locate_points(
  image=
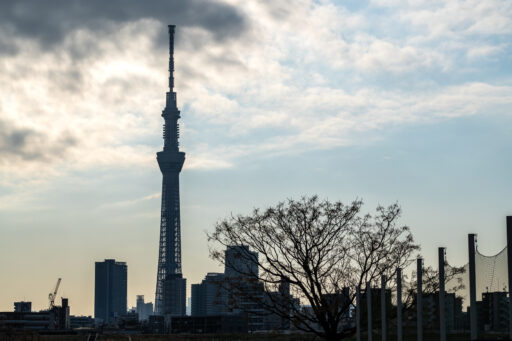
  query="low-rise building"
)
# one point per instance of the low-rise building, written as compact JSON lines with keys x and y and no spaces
{"x":22,"y":307}
{"x":212,"y":324}
{"x":81,"y":322}
{"x":56,"y":318}
{"x":493,"y":311}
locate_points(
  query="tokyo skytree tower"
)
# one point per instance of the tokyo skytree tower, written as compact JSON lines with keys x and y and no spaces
{"x":170,"y":284}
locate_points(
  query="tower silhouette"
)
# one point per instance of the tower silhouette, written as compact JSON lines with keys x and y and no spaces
{"x":170,"y":284}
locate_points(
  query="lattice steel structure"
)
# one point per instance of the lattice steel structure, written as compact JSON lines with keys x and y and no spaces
{"x":169,"y":297}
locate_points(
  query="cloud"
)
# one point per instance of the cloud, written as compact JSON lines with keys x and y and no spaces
{"x":326,"y":118}
{"x":128,"y":203}
{"x":485,"y":50}
{"x":452,"y":19}
{"x":51,"y":21}
{"x":253,"y":78}
{"x":25,"y":144}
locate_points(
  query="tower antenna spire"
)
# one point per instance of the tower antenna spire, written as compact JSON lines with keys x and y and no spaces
{"x":171,"y":57}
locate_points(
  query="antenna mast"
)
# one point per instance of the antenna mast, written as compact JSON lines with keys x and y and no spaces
{"x":171,"y":57}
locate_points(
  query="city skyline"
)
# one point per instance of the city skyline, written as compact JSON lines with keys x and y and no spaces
{"x":380,"y":101}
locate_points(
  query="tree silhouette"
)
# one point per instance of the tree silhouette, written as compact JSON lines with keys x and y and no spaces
{"x":322,"y":250}
{"x":430,"y":284}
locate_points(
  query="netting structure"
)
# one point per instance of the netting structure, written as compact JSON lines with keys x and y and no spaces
{"x":491,"y":276}
{"x":421,"y":314}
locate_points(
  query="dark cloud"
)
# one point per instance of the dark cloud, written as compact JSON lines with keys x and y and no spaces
{"x":49,"y":21}
{"x":8,"y":47}
{"x":29,"y":145}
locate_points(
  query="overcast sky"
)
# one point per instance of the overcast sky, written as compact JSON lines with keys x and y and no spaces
{"x":384,"y":100}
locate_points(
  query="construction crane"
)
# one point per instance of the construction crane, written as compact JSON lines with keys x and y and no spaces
{"x":53,"y":295}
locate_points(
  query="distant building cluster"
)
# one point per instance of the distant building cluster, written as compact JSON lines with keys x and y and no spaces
{"x":215,"y":307}
{"x":216,"y":295}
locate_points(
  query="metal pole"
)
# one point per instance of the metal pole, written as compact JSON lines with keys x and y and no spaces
{"x":419,"y":299}
{"x":383,"y":306}
{"x":399,"y":304}
{"x":509,"y":261}
{"x":442,"y":311}
{"x":358,"y":313}
{"x":472,"y":287}
{"x":369,"y":305}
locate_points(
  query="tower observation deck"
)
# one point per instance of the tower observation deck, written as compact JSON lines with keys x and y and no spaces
{"x":170,"y":284}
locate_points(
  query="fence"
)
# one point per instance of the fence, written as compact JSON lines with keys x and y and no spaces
{"x":473,"y":301}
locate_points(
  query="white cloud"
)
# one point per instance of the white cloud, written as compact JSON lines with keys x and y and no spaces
{"x":302,"y":78}
{"x":128,"y":203}
{"x":453,"y":18}
{"x":483,"y":51}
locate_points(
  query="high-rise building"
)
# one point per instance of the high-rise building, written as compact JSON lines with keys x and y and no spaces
{"x":110,"y":289}
{"x":197,"y":300}
{"x":240,"y":261}
{"x":244,"y":289}
{"x":143,"y":309}
{"x":210,"y":297}
{"x":170,"y":285}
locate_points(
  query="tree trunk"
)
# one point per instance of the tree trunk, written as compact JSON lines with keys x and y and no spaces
{"x":333,"y":337}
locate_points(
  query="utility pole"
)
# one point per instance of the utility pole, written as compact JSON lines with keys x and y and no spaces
{"x":509,"y":260}
{"x":442,"y":311}
{"x":358,"y":313}
{"x":399,"y":326}
{"x":472,"y":287}
{"x":383,"y":307}
{"x":419,"y":299}
{"x":369,"y":305}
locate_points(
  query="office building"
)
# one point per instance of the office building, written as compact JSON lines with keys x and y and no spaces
{"x":210,"y":297}
{"x":452,"y":307}
{"x":144,"y":310}
{"x":110,"y":289}
{"x":240,"y":261}
{"x":244,"y":290}
{"x":494,"y":311}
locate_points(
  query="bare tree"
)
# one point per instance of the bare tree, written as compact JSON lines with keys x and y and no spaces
{"x":430,"y":284}
{"x":323,"y":250}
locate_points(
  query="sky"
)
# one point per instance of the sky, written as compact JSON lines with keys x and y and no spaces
{"x":406,"y":101}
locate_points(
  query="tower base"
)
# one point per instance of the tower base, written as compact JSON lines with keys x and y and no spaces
{"x":175,"y":290}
